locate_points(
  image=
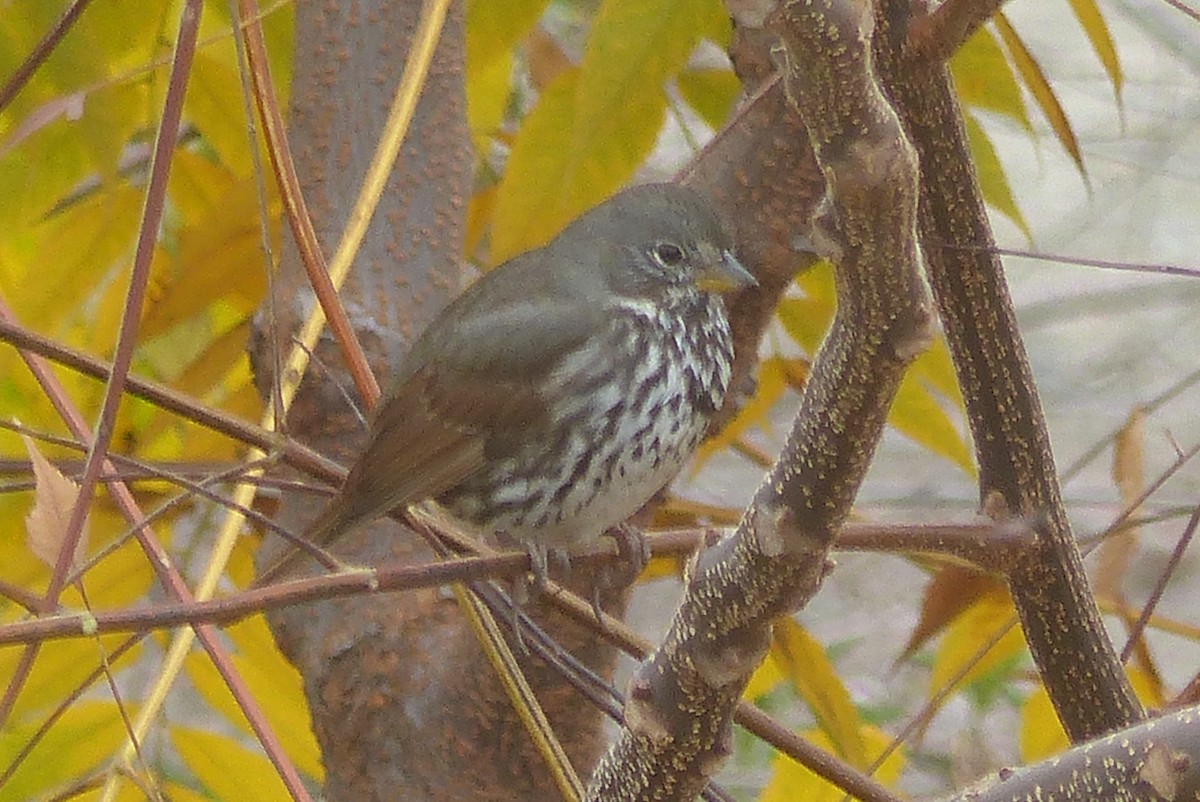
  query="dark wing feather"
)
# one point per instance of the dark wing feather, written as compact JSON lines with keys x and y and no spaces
{"x":471,"y":380}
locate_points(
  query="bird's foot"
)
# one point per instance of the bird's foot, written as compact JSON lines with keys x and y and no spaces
{"x":633,"y":553}
{"x":540,"y":559}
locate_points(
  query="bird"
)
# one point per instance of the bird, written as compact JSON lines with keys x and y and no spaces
{"x":564,"y":388}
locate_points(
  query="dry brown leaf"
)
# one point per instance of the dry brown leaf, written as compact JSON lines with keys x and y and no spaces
{"x":952,"y":590}
{"x":54,"y":498}
{"x":1129,"y":475}
{"x":546,"y":58}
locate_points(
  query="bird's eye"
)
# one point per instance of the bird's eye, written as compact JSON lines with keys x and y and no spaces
{"x":668,"y":254}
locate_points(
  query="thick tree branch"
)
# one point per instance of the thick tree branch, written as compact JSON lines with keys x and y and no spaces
{"x":679,"y":713}
{"x":1149,"y":762}
{"x":1016,"y":467}
{"x":938,"y":35}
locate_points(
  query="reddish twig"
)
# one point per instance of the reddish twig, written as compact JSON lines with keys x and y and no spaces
{"x":311,"y":256}
{"x":13,"y":86}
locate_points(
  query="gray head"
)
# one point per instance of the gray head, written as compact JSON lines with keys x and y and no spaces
{"x":670,"y":236}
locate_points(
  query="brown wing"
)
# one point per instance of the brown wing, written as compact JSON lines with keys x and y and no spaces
{"x":470,"y":383}
{"x":429,"y":435}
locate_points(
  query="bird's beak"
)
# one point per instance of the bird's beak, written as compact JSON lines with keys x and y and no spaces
{"x":724,"y":274}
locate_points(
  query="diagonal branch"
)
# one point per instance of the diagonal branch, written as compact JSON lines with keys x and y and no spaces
{"x":678,"y":719}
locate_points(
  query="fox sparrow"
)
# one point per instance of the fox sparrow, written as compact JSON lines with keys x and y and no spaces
{"x":566,"y":387}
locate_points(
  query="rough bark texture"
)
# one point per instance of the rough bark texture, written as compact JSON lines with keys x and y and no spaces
{"x":1154,"y":761}
{"x":403,"y":702}
{"x":678,"y":716}
{"x":1017,"y":474}
{"x":762,"y":173}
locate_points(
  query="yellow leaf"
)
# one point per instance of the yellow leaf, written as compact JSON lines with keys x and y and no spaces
{"x":493,"y":30}
{"x":915,"y":413}
{"x":953,"y":589}
{"x":970,"y":631}
{"x":204,"y":373}
{"x":1035,"y":80}
{"x":241,"y":568}
{"x":992,"y":179}
{"x":199,"y":184}
{"x":1129,"y":474}
{"x":1041,"y":733}
{"x":918,"y":416}
{"x":77,"y":254}
{"x":489,"y":86}
{"x":48,"y":521}
{"x":220,"y":259}
{"x":1096,"y":30}
{"x":84,"y":737}
{"x":765,"y":679}
{"x":807,"y":318}
{"x":545,"y":58}
{"x":593,"y":126}
{"x":60,"y":668}
{"x":685,"y":512}
{"x":122,"y":577}
{"x":57,"y":137}
{"x":214,"y":105}
{"x":802,"y":660}
{"x":791,"y":782}
{"x":935,"y":367}
{"x":1147,"y":687}
{"x":711,"y":93}
{"x":272,"y":681}
{"x":633,"y":47}
{"x":553,"y":174}
{"x":229,"y":771}
{"x":175,"y":792}
{"x":278,"y":28}
{"x":479,"y":212}
{"x":984,"y":78}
